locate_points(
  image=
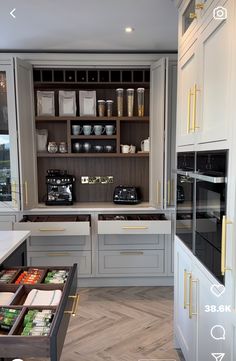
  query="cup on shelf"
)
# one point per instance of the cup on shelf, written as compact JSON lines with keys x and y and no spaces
{"x":109,"y":129}
{"x":98,"y":129}
{"x":77,"y":147}
{"x":132,"y":149}
{"x":120,"y":98}
{"x":109,"y":107}
{"x":101,"y":108}
{"x":87,"y":129}
{"x":130,"y":102}
{"x":108,"y":148}
{"x":98,"y":148}
{"x":76,"y":129}
{"x":140,"y":93}
{"x":87,"y":147}
{"x":62,"y":147}
{"x":125,"y":148}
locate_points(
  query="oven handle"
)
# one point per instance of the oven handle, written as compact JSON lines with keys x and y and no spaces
{"x":206,"y":178}
{"x":182,"y":172}
{"x":225,"y":221}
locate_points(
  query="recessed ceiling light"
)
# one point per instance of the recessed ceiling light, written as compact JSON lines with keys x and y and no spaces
{"x":128,"y":29}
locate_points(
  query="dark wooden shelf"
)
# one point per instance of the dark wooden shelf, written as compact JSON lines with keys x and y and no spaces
{"x":103,"y":137}
{"x":90,"y":118}
{"x":92,"y":155}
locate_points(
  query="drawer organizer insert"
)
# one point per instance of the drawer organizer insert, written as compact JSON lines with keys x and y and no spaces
{"x":57,"y":218}
{"x":132,"y":217}
{"x":37,"y":331}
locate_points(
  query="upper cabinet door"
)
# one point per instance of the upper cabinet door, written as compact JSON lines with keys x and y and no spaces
{"x":157,"y":121}
{"x":9,"y":181}
{"x":26,"y":129}
{"x":187,"y":107}
{"x":214,"y":87}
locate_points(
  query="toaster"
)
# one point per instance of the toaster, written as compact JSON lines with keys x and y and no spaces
{"x":126,"y":195}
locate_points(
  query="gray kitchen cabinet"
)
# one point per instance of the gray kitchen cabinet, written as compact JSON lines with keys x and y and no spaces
{"x":130,"y":241}
{"x":7,"y":222}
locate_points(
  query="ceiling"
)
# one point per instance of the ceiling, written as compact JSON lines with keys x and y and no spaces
{"x":88,"y":25}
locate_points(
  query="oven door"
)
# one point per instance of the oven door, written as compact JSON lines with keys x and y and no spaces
{"x":210,"y":208}
{"x":184,"y":208}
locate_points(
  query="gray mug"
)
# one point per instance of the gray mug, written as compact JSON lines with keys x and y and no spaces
{"x":87,"y":129}
{"x":109,"y":129}
{"x":76,"y":129}
{"x":98,"y":129}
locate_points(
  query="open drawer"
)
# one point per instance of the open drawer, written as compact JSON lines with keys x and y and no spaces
{"x":133,"y":224}
{"x":15,"y":345}
{"x":55,"y":225}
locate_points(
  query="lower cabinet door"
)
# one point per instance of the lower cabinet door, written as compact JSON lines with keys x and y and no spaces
{"x":185,"y":321}
{"x":131,"y":262}
{"x":65,"y":258}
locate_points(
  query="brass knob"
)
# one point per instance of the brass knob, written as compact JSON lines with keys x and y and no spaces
{"x":199,"y":6}
{"x":192,"y":16}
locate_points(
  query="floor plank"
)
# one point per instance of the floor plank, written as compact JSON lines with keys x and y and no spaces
{"x":122,"y":324}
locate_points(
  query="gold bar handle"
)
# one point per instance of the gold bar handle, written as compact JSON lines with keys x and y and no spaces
{"x":186,"y":274}
{"x":192,"y":16}
{"x":199,"y":6}
{"x":195,"y":90}
{"x":59,"y":254}
{"x":26,"y":193}
{"x":223,"y":245}
{"x":191,"y":281}
{"x":189,"y":112}
{"x":52,"y":229}
{"x":75,"y":305}
{"x":168,"y":193}
{"x":134,"y":227}
{"x":13,"y":192}
{"x":131,"y":253}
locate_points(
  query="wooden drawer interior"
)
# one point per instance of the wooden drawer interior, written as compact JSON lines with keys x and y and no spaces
{"x":56,"y":218}
{"x":132,"y":217}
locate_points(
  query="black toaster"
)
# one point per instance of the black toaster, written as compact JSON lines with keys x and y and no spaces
{"x":126,"y":195}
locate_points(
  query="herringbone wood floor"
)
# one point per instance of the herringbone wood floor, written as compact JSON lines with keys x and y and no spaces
{"x":122,"y":324}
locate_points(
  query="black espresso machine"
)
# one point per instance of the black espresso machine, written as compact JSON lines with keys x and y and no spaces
{"x":60,"y":187}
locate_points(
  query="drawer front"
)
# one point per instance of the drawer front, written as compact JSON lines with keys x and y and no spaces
{"x":134,"y":227}
{"x":55,"y":228}
{"x":6,"y":223}
{"x":65,"y":258}
{"x":131,"y":262}
{"x":59,"y":243}
{"x":130,"y":241}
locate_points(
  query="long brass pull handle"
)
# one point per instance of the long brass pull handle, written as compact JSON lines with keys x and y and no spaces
{"x":168,"y":192}
{"x":223,"y":245}
{"x":134,"y":227}
{"x":191,"y":281}
{"x":26,"y":193}
{"x":195,"y":90}
{"x":75,"y":305}
{"x":185,"y":288}
{"x":189,"y":112}
{"x":132,"y":253}
{"x":52,"y":229}
{"x":13,"y":192}
{"x":58,"y":254}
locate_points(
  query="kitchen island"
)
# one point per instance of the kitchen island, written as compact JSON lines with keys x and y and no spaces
{"x":10,"y":243}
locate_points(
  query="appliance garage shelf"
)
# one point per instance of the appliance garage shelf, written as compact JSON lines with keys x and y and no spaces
{"x":92,"y":155}
{"x":90,"y":118}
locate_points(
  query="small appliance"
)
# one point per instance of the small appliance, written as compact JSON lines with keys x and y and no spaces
{"x":60,"y":187}
{"x":126,"y":195}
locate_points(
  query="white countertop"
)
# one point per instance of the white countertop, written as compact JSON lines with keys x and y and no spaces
{"x":10,"y":241}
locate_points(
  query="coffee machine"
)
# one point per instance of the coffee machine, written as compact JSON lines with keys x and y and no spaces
{"x":60,"y":187}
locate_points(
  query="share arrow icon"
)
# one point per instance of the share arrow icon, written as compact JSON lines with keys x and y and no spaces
{"x":218,"y":356}
{"x":12,"y":13}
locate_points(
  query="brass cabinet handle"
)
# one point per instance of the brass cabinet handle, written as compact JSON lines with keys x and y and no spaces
{"x":26,"y":192}
{"x":13,"y":192}
{"x":186,"y":274}
{"x":191,"y":281}
{"x":132,"y":253}
{"x":189,"y":111}
{"x":192,"y":16}
{"x":168,"y":193}
{"x":195,"y":90}
{"x":135,"y":227}
{"x":223,"y":245}
{"x":199,"y":6}
{"x":58,"y":254}
{"x":52,"y":229}
{"x":75,"y":305}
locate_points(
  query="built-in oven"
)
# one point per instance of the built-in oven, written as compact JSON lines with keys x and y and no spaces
{"x":185,"y":198}
{"x":210,"y":175}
